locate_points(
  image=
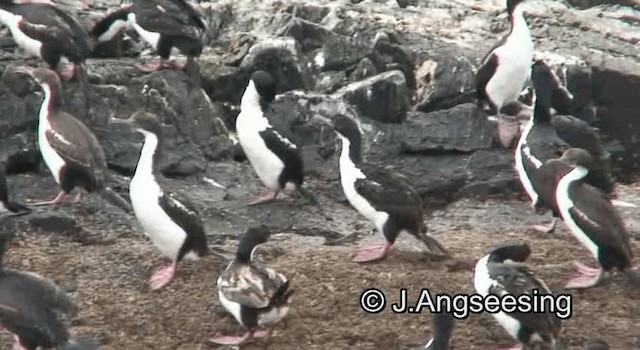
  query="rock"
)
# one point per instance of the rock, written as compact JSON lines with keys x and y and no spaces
{"x":444,"y":83}
{"x":384,"y":97}
{"x":363,"y":70}
{"x":461,"y":129}
{"x":340,"y":52}
{"x":584,"y":4}
{"x":53,"y":222}
{"x":328,"y":82}
{"x":308,"y":34}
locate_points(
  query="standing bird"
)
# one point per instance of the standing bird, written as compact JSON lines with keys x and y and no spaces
{"x":255,"y":295}
{"x":49,"y":33}
{"x":540,"y":142}
{"x":72,"y":153}
{"x":505,"y":68}
{"x":383,"y":196}
{"x":31,"y":308}
{"x":442,"y":328}
{"x":495,"y":275}
{"x":274,"y":157}
{"x":591,"y":218}
{"x":168,"y":218}
{"x":6,"y":203}
{"x":163,"y":24}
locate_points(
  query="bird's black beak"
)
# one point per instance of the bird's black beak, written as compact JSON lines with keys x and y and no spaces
{"x":120,"y":121}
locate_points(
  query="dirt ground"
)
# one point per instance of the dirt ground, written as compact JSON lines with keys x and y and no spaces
{"x":105,"y":272}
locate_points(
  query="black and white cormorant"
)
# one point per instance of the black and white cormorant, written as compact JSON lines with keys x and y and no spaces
{"x":163,"y":24}
{"x":257,"y":296}
{"x":6,"y":203}
{"x":170,"y":220}
{"x":442,"y":329}
{"x":540,"y":142}
{"x":382,"y":195}
{"x":31,"y":308}
{"x":505,"y":68}
{"x":47,"y":32}
{"x":591,"y":218}
{"x":72,"y":153}
{"x":502,"y":272}
{"x":270,"y":149}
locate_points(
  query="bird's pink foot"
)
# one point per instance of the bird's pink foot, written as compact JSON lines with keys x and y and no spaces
{"x":58,"y":199}
{"x":17,"y":345}
{"x":163,"y":276}
{"x":153,"y":67}
{"x":68,"y":72}
{"x":373,"y":253}
{"x":586,"y":277}
{"x":79,"y":197}
{"x":237,"y":340}
{"x":545,"y":228}
{"x":268,"y":197}
{"x":515,"y":347}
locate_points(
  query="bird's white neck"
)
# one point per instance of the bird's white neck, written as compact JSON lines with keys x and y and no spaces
{"x":145,"y":163}
{"x":520,"y":30}
{"x":48,"y":103}
{"x":578,"y":173}
{"x":250,"y":99}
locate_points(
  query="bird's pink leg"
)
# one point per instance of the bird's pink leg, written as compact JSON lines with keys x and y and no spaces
{"x":17,"y":345}
{"x":79,"y":196}
{"x":163,"y":276}
{"x":586,"y":277}
{"x":367,"y":254}
{"x":237,"y":340}
{"x":59,"y":199}
{"x":267,"y":197}
{"x":507,"y":132}
{"x":152,"y":67}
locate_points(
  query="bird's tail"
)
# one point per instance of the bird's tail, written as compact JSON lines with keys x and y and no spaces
{"x":308,"y":195}
{"x":432,"y":244}
{"x":18,"y":209}
{"x":282,"y":295}
{"x":115,"y":199}
{"x":81,"y":344}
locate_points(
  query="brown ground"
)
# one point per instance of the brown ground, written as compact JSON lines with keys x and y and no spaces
{"x":107,"y":279}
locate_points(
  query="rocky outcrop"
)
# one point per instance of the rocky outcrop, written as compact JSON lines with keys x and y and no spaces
{"x":405,"y":69}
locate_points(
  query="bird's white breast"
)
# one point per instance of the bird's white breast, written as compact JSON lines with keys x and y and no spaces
{"x":231,"y":306}
{"x":150,"y":37}
{"x":145,"y":192}
{"x":267,"y":165}
{"x":31,"y":46}
{"x":514,"y":63}
{"x":565,"y":203}
{"x":113,"y":30}
{"x":273,"y":316}
{"x":51,"y":158}
{"x":349,"y":173}
{"x":519,"y":164}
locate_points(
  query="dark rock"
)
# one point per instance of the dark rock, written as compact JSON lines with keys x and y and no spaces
{"x":384,"y":97}
{"x":490,"y":172}
{"x":460,"y":129}
{"x":328,"y":82}
{"x":388,"y":55}
{"x":444,"y":83}
{"x":363,"y":70}
{"x":308,"y":34}
{"x":340,"y":52}
{"x":53,"y":222}
{"x":309,"y":12}
{"x":616,"y":94}
{"x":585,"y":4}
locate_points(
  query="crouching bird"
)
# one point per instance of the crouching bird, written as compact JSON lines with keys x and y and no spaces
{"x":31,"y":308}
{"x":257,"y":296}
{"x":501,"y":273}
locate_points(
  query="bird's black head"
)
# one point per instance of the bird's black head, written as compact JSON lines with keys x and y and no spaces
{"x":442,"y":328}
{"x":346,"y":126}
{"x":142,"y":122}
{"x":514,"y":252}
{"x":512,"y":4}
{"x":46,"y":78}
{"x":250,"y":240}
{"x":577,"y":157}
{"x":543,"y":84}
{"x":264,"y":85}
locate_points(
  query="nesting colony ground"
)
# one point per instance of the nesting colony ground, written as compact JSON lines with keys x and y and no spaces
{"x":106,"y":263}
